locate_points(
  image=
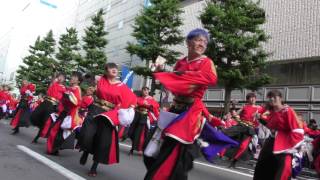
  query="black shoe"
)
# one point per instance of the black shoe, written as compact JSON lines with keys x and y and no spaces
{"x":130,"y":153}
{"x":34,"y":141}
{"x":84,"y":157}
{"x":56,"y":153}
{"x":233,"y":164}
{"x":15,"y":131}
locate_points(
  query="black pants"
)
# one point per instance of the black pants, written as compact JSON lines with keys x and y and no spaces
{"x":184,"y":154}
{"x":272,"y":166}
{"x":179,"y":168}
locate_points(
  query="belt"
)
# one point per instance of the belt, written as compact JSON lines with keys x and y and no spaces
{"x":142,"y":110}
{"x":245,"y":123}
{"x":24,"y":97}
{"x":52,"y":99}
{"x":106,"y":105}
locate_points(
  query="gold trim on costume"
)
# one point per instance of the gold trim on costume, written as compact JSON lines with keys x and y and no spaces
{"x":106,"y":105}
{"x":142,"y":110}
{"x":52,"y":99}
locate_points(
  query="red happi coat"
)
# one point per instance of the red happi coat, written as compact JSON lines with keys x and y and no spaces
{"x":310,"y":132}
{"x":229,"y":123}
{"x":85,"y":103}
{"x":152,"y":105}
{"x":3,"y":98}
{"x":196,"y":76}
{"x":8,"y":97}
{"x":213,"y":120}
{"x":26,"y":92}
{"x":73,"y":105}
{"x":56,"y":91}
{"x":13,"y":103}
{"x":248,"y":113}
{"x":289,"y":130}
{"x":34,"y":105}
{"x":118,"y":94}
{"x":29,"y":87}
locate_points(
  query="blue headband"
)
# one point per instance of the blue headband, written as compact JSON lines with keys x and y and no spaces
{"x":197,"y":32}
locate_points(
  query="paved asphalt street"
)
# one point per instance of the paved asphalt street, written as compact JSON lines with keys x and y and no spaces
{"x":19,"y":159}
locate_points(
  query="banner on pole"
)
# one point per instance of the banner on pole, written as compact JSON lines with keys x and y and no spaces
{"x":126,"y":76}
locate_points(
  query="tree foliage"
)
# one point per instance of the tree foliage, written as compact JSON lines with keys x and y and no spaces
{"x":235,"y":27}
{"x":68,"y":52}
{"x":39,"y":66}
{"x":156,"y":30}
{"x":94,"y":44}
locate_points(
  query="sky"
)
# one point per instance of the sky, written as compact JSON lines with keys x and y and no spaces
{"x":22,"y":21}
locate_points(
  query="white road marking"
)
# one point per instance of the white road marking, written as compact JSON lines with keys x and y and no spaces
{"x":303,"y":178}
{"x":3,"y":121}
{"x":251,"y":170}
{"x":224,"y":169}
{"x":207,"y":165}
{"x":53,"y":165}
{"x":125,"y":145}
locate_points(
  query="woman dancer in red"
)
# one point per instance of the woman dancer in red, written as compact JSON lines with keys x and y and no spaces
{"x":21,"y":119}
{"x":99,"y":134}
{"x":275,"y":159}
{"x":50,"y":104}
{"x":147,"y":113}
{"x":62,"y":131}
{"x":5,"y":98}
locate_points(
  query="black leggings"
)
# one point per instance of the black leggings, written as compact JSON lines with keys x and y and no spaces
{"x":94,"y":167}
{"x":272,"y":166}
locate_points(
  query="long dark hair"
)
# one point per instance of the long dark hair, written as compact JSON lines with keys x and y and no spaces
{"x":273,"y":93}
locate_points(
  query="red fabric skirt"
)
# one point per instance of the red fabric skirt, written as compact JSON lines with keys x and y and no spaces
{"x":105,"y":148}
{"x":173,"y":162}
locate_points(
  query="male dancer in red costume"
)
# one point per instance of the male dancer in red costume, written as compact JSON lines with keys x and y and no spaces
{"x":246,"y":126}
{"x":191,"y":77}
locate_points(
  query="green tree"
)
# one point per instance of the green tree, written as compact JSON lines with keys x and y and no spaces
{"x":68,"y":54}
{"x":235,"y":27}
{"x":94,"y":45}
{"x":40,"y":65}
{"x":156,"y":30}
{"x":28,"y":62}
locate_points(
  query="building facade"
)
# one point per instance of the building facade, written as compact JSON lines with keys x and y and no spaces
{"x":294,"y":28}
{"x":119,"y":17}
